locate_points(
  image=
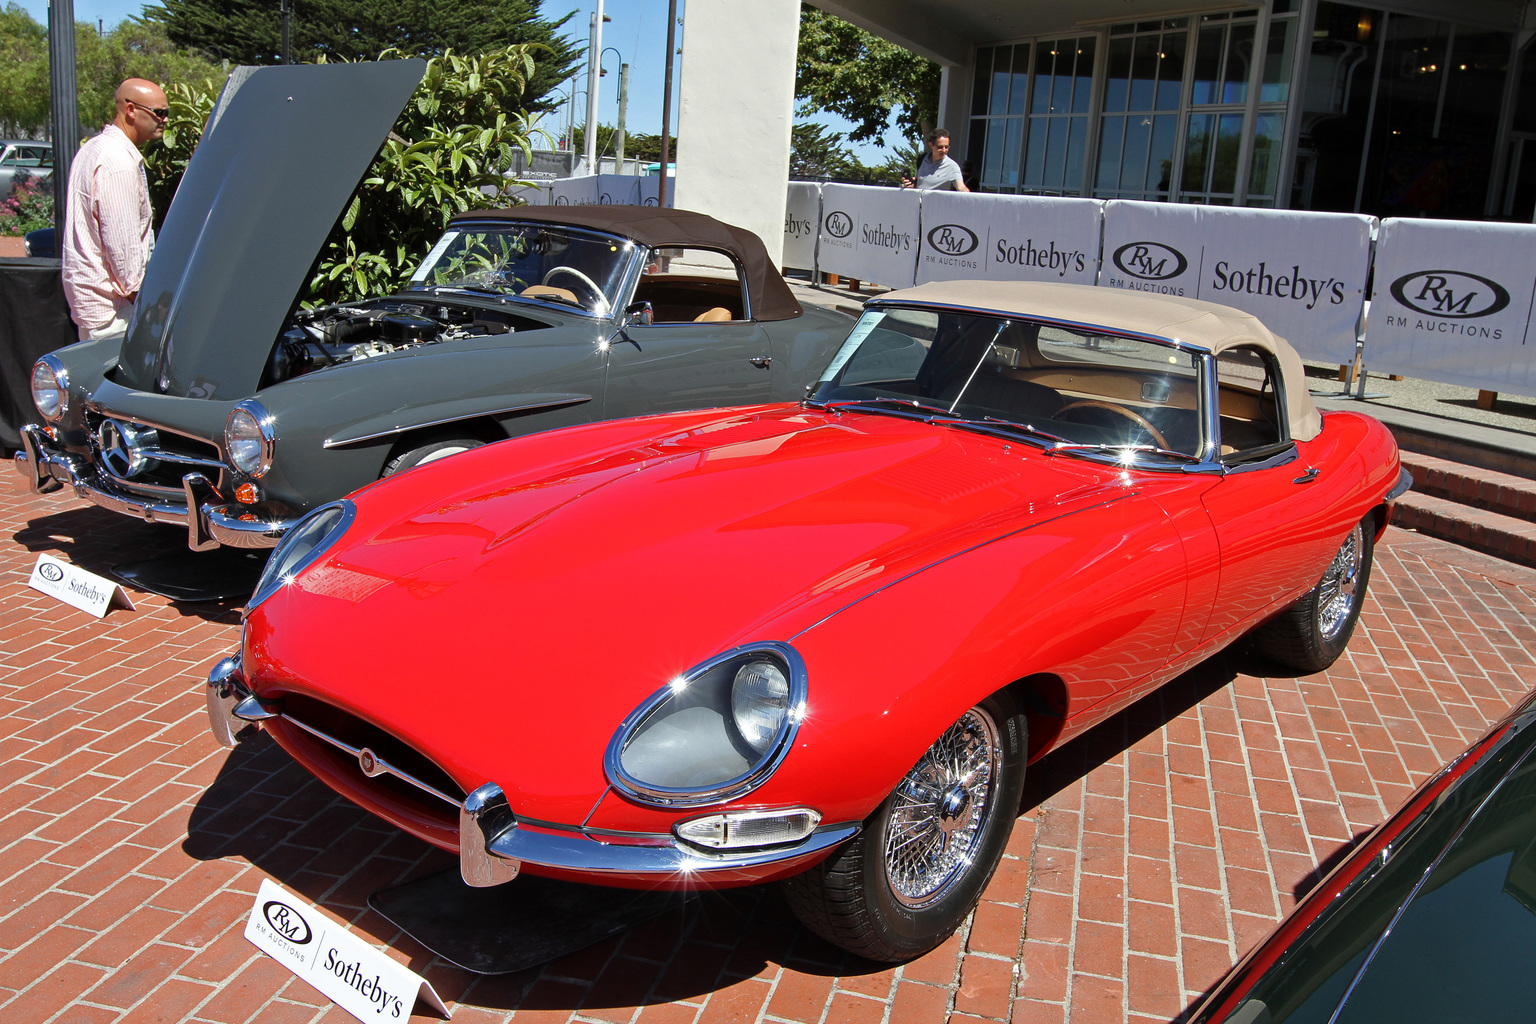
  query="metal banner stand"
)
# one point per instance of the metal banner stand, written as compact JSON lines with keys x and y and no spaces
{"x":1360,"y":394}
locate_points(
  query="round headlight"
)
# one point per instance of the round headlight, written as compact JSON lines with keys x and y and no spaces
{"x":714,"y":733}
{"x":50,"y":388}
{"x":300,"y":546}
{"x":759,"y":702}
{"x":248,"y":438}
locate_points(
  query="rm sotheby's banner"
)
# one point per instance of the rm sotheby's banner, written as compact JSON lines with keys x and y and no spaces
{"x":618,"y":189}
{"x":1301,"y":273}
{"x":869,"y":233}
{"x":1008,"y":238}
{"x":801,"y":213}
{"x":1452,"y":302}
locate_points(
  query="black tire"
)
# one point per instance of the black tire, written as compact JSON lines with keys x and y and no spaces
{"x":889,"y":895}
{"x":437,"y":448}
{"x":1310,"y":635}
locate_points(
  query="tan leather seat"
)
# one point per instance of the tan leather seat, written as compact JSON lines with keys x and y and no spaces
{"x":715,"y":315}
{"x":535,"y":291}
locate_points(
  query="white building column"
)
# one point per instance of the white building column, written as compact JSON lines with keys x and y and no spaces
{"x":735,"y":108}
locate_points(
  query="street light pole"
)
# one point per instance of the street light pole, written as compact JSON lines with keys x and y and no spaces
{"x":666,"y":104}
{"x":594,"y":52}
{"x":623,"y":106}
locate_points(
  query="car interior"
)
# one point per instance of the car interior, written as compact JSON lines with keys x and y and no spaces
{"x":686,"y":285}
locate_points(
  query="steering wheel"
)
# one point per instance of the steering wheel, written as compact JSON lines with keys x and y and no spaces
{"x":1138,"y":419}
{"x":597,"y":293}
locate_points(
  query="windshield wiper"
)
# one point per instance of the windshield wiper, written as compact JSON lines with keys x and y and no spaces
{"x":445,"y":289}
{"x":1149,"y":449}
{"x":931,"y":411}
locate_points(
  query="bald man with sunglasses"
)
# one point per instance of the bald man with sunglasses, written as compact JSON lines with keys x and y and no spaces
{"x":107,"y":238}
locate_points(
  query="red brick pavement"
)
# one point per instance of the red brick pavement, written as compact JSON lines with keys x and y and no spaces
{"x":1153,"y":851}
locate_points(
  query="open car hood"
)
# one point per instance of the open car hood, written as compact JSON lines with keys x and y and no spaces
{"x":281,"y":155}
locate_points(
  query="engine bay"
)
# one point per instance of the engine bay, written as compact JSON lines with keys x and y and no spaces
{"x":332,"y":335}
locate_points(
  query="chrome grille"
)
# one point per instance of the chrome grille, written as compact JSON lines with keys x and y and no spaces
{"x":149,"y":459}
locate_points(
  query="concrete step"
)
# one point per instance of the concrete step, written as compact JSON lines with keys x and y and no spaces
{"x":1468,"y":485}
{"x":1493,"y":533}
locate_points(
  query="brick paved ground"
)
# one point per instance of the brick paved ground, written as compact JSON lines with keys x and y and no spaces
{"x":1152,"y":853}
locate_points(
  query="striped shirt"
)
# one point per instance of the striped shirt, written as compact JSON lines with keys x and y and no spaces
{"x":107,"y":238}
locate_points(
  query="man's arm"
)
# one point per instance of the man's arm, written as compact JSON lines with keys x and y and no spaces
{"x":122,"y":233}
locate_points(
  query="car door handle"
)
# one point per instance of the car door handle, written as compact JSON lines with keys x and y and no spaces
{"x":761,"y":362}
{"x":1308,"y":476}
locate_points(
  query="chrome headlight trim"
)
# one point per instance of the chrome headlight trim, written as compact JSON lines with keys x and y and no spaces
{"x":310,"y":538}
{"x":57,"y":384}
{"x":250,"y":453}
{"x":768,"y":759}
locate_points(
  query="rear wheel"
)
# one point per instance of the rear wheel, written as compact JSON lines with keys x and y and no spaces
{"x":905,"y":883}
{"x":438,"y":448}
{"x":1310,"y":635}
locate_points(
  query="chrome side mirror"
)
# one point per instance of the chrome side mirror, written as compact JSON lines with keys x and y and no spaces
{"x":639,"y":314}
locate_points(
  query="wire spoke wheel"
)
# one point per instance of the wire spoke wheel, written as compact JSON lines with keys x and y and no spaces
{"x":938,"y":810}
{"x":1339,"y":591}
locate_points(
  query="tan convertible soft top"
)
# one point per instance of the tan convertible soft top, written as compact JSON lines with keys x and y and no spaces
{"x":1206,"y":326}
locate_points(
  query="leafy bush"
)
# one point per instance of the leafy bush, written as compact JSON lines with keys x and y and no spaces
{"x":28,"y":207}
{"x":446,"y":155}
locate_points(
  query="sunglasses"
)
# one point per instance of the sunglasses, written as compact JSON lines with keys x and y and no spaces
{"x":161,"y":113}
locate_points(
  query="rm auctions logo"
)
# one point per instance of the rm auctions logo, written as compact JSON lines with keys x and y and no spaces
{"x":50,"y":572}
{"x":953,"y":239}
{"x":838,"y":224}
{"x":287,"y":922}
{"x":1450,"y":294}
{"x":1150,"y":261}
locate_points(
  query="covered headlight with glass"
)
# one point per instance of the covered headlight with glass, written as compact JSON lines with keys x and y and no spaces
{"x":50,"y":388}
{"x":300,"y":547}
{"x":249,"y":439}
{"x":715,"y":732}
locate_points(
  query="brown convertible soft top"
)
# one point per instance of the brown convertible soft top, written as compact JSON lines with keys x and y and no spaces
{"x":658,"y":226}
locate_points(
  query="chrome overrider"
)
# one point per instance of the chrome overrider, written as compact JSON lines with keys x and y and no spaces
{"x":493,"y":843}
{"x":47,"y":467}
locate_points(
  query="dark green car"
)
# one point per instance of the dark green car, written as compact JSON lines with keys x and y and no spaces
{"x":227,"y":412}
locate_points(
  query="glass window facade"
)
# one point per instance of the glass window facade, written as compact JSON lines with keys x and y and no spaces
{"x":1335,"y":107}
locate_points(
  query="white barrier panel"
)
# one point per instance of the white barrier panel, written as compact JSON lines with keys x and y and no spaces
{"x":869,"y":233}
{"x":1008,"y":238}
{"x":618,"y":189}
{"x":1451,"y":302}
{"x":802,"y":213}
{"x":1301,"y":273}
{"x":580,"y":191}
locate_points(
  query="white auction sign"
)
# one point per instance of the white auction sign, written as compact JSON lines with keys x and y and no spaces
{"x":1303,"y":274}
{"x":580,"y":191}
{"x":74,"y":586}
{"x":650,"y":190}
{"x":802,"y":214}
{"x":869,"y":233}
{"x":1451,"y":302}
{"x":364,"y":981}
{"x":1008,"y":238}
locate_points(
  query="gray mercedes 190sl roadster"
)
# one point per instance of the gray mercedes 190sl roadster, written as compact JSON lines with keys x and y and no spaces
{"x":228,"y":411}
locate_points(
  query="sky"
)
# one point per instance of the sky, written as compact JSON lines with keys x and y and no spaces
{"x":636,"y":32}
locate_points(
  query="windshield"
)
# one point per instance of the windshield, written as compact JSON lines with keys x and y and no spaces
{"x":1073,"y":389}
{"x":534,"y":261}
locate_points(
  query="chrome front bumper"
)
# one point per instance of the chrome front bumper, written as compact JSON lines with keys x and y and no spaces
{"x":494,"y":845}
{"x":46,"y":468}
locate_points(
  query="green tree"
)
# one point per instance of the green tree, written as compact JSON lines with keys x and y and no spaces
{"x":842,"y":69}
{"x":250,"y":32}
{"x":637,"y":145}
{"x":133,"y":49}
{"x":816,"y":154}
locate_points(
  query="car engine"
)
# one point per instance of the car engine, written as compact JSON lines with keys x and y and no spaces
{"x":331,"y":335}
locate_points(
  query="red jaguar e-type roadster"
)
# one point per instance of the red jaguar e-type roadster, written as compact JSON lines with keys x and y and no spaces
{"x":818,"y":642}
